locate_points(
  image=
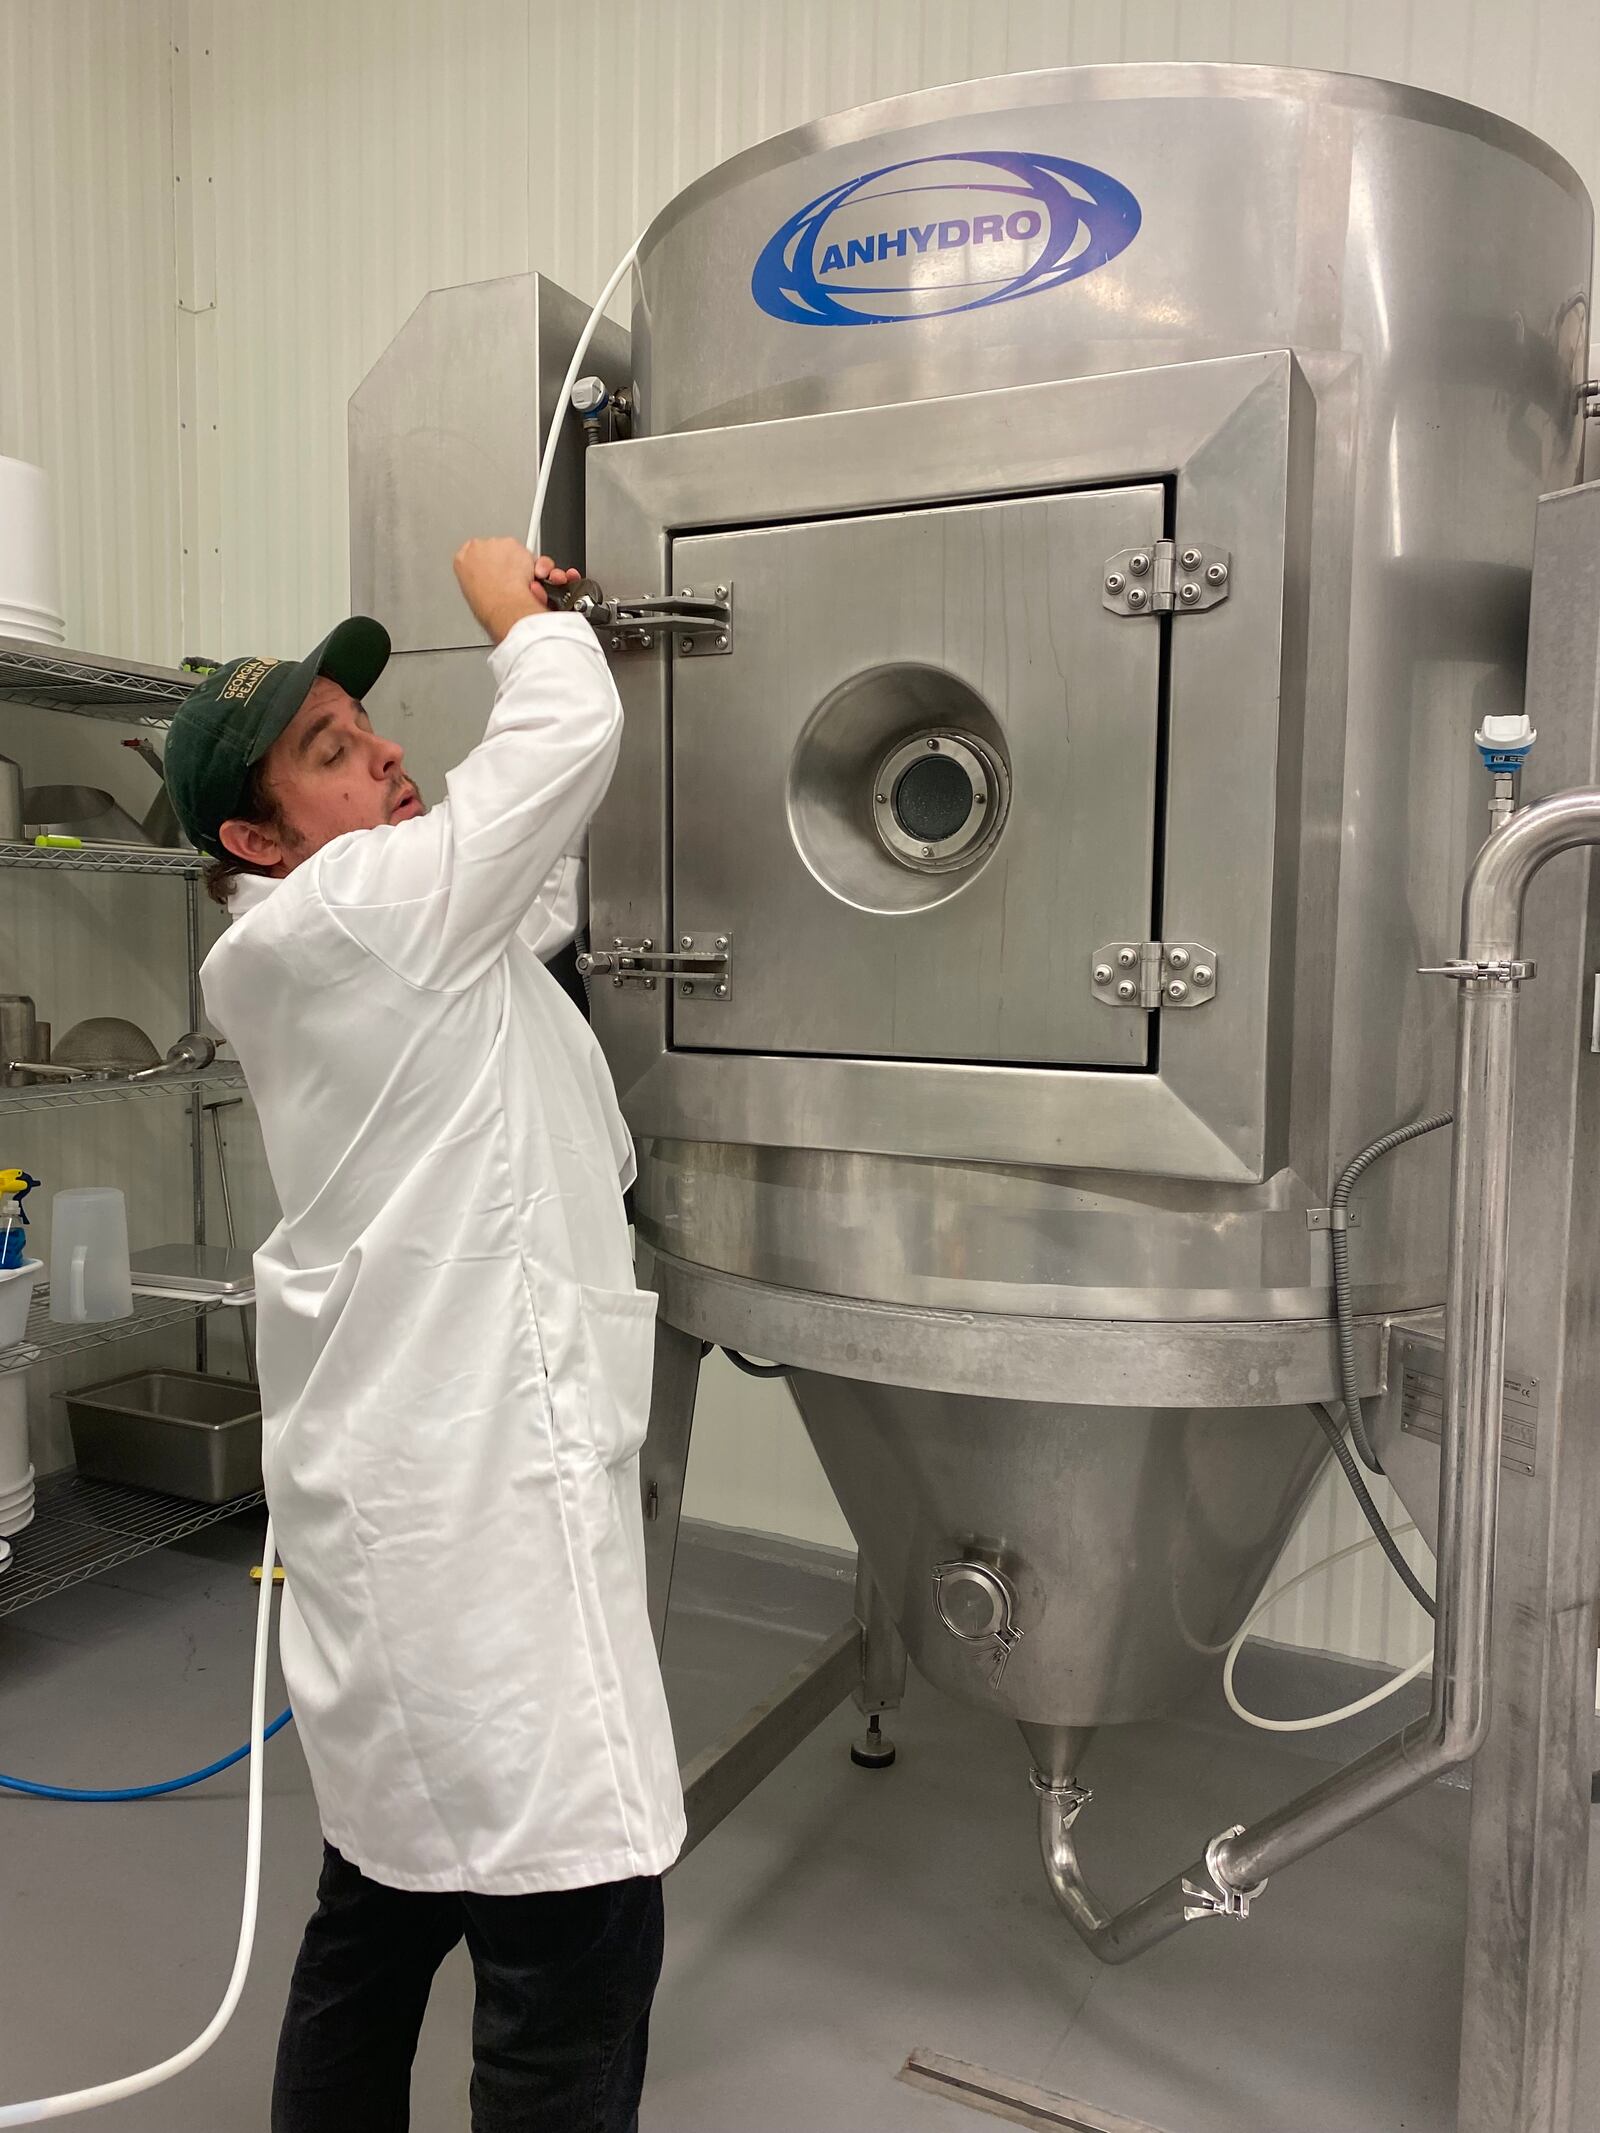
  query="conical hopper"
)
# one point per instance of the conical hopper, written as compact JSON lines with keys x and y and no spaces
{"x":1119,"y":1547}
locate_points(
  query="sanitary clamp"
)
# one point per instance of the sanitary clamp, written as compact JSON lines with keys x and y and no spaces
{"x":1222,"y":1899}
{"x":1071,"y":1798}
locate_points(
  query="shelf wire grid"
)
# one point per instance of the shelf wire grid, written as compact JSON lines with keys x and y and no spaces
{"x":47,"y":1342}
{"x":87,"y":687}
{"x":82,"y":1528}
{"x":62,"y":1095}
{"x":101,"y":859}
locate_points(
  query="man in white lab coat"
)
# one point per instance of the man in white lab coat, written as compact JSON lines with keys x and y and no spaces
{"x":455,"y":1368}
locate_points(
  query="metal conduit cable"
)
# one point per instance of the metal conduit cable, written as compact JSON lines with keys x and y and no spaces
{"x":1233,"y":1869}
{"x":1339,"y":1238}
{"x":743,"y":1362}
{"x":755,"y":1370}
{"x":1333,"y":1430}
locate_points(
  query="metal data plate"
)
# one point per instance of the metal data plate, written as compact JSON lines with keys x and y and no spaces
{"x":969,"y":641}
{"x":1421,"y":1365}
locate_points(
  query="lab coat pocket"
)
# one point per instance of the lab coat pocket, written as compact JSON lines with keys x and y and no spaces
{"x":620,"y":1336}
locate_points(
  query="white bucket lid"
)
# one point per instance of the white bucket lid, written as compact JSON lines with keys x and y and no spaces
{"x":35,"y":625}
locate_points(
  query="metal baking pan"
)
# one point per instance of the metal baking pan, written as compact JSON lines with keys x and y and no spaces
{"x":172,"y":1430}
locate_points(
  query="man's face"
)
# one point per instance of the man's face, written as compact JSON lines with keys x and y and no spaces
{"x":326,"y":773}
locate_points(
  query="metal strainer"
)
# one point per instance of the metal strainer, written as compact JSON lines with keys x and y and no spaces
{"x":105,"y":1044}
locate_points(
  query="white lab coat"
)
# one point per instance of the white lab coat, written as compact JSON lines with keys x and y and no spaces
{"x":455,"y":1362}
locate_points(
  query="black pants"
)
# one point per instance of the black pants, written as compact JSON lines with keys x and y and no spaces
{"x":564,"y":1985}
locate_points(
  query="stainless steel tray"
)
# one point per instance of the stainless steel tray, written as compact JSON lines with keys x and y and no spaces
{"x":195,"y":1269}
{"x":173,"y":1430}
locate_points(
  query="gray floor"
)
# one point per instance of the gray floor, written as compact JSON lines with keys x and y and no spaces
{"x":838,"y":1921}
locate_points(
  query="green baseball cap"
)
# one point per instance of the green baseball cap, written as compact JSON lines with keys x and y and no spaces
{"x":227,"y":725}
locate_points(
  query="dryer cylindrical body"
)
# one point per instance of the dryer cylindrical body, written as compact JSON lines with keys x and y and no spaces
{"x":923,"y":384}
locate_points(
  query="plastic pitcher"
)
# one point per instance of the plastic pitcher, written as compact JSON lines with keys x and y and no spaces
{"x":89,"y":1277}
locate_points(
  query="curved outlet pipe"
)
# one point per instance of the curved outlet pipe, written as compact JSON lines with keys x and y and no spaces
{"x":1236,"y":1864}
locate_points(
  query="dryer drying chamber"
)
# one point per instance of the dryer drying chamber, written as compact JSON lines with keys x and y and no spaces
{"x":1122,"y":484}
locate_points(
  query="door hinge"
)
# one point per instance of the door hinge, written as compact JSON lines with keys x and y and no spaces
{"x":1166,"y":578}
{"x":701,"y":964}
{"x":1152,"y":974}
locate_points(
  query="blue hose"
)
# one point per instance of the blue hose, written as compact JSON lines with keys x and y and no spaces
{"x":140,"y":1792}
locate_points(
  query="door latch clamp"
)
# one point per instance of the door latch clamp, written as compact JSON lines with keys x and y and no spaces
{"x":698,"y":628}
{"x":702,"y":966}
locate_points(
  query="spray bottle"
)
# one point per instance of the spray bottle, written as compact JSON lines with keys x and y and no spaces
{"x":15,"y":1186}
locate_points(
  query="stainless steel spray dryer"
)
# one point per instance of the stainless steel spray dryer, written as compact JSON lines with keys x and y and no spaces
{"x":1061,"y":536}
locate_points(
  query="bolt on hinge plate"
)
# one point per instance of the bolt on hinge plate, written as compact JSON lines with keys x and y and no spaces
{"x":713,"y":980}
{"x":1168,"y":577}
{"x":1152,"y":974}
{"x":700,"y":964}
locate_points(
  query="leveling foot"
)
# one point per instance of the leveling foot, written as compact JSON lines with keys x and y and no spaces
{"x":872,"y":1751}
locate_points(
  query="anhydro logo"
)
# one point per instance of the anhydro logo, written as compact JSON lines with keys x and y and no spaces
{"x":942,"y":234}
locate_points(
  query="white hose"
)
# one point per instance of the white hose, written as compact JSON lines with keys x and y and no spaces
{"x":30,"y":2114}
{"x":1325,"y":1718}
{"x":564,"y":400}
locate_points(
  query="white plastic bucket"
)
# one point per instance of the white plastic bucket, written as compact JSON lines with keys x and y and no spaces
{"x":30,"y":563}
{"x":16,"y":1475}
{"x":16,"y":1293}
{"x":31,"y":622}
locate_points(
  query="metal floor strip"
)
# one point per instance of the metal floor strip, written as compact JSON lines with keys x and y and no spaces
{"x":1018,"y":2102}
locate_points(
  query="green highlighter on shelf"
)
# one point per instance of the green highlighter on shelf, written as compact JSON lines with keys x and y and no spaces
{"x":15,"y":1186}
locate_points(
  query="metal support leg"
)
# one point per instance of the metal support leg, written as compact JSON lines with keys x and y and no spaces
{"x":882,"y":1685}
{"x":197,"y":1114}
{"x":723,"y":1774}
{"x":664,"y":1461}
{"x":1529,"y":1846}
{"x":720,"y":1776}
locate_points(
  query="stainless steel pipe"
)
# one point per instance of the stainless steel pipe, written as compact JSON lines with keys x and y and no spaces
{"x":1236,"y":1864}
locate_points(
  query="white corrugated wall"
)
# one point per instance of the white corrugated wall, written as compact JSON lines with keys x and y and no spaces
{"x":331,"y":160}
{"x":87,"y":325}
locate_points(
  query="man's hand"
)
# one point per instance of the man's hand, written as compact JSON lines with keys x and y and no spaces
{"x":502,"y":582}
